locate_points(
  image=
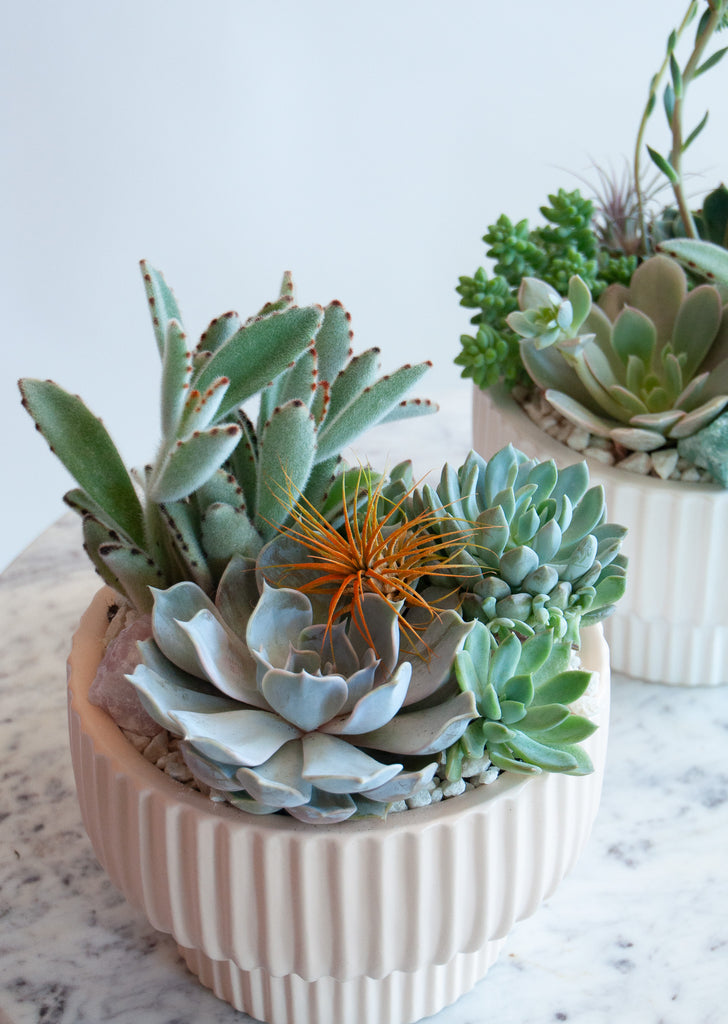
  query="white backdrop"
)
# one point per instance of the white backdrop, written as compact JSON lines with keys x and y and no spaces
{"x":366,"y":147}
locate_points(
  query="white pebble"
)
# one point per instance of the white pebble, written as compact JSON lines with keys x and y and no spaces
{"x":176,"y":768}
{"x":453,"y":788}
{"x":397,"y":806}
{"x":157,"y":747}
{"x":474,"y":765}
{"x":664,"y":461}
{"x":691,"y":475}
{"x":579,"y":439}
{"x":600,"y":454}
{"x":637,"y":462}
{"x":137,"y":741}
{"x":485,"y":778}
{"x":532,"y":412}
{"x":436,"y":795}
{"x":421,"y":799}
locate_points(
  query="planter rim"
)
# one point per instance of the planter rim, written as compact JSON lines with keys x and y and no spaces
{"x":504,"y":401}
{"x":109,"y":739}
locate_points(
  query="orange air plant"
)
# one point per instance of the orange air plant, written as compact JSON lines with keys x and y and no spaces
{"x":378,"y":549}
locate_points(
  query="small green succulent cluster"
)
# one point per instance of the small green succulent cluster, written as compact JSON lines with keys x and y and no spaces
{"x":523,"y":692}
{"x":219,"y":483}
{"x":650,"y":366}
{"x":565,"y":246}
{"x":531,"y":549}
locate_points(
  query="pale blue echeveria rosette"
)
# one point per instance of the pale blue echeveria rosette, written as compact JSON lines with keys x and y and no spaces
{"x":276,"y":712}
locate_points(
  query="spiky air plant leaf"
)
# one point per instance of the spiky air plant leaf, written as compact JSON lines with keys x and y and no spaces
{"x":523,"y":692}
{"x":367,"y":543}
{"x":171,"y":526}
{"x":278,"y":712}
{"x":653,"y":367}
{"x":536,"y":553}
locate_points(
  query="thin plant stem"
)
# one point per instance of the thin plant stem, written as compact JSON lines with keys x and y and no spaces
{"x":677,"y":133}
{"x":646,"y":114}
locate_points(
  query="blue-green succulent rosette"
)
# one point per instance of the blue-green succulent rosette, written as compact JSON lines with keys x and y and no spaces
{"x":276,"y":712}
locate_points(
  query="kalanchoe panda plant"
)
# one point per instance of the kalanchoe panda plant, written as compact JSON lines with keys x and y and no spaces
{"x":582,"y":319}
{"x":295,"y":635}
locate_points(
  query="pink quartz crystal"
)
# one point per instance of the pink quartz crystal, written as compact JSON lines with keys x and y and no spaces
{"x":115,"y":694}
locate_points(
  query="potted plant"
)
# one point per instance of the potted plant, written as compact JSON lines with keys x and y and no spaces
{"x":289,"y":651}
{"x":604,"y":333}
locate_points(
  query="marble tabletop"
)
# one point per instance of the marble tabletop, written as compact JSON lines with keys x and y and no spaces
{"x":636,"y":934}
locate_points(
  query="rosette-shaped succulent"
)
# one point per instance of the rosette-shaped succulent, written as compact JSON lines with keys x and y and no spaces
{"x":276,"y":712}
{"x":535,"y":552}
{"x":523,"y":693}
{"x":650,"y":368}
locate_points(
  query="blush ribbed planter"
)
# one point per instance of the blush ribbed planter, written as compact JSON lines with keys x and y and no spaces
{"x":364,"y":922}
{"x":672,"y":624}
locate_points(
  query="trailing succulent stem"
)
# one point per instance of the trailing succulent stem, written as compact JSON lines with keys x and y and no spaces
{"x":714,"y":17}
{"x":213,"y":488}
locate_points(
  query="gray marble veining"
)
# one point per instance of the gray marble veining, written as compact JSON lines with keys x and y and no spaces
{"x":637,"y":934}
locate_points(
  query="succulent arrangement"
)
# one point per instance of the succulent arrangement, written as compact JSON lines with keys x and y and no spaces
{"x":313,"y":638}
{"x":615,"y":314}
{"x":650,"y":368}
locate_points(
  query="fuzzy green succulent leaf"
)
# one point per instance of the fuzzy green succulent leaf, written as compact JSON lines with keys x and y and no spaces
{"x":201,"y":409}
{"x":299,"y":381}
{"x":244,"y":460}
{"x":95,"y":535}
{"x":220,"y":487}
{"x":368,"y":408}
{"x":162,"y":303}
{"x":176,"y":377}
{"x":333,"y":341}
{"x":184,"y":531}
{"x":85,"y":448}
{"x":219,"y":330}
{"x":190,"y":463}
{"x":409,"y":409}
{"x":320,"y":486}
{"x":357,"y":375}
{"x":285,"y":299}
{"x":258,"y":352}
{"x":227,"y":531}
{"x":135,"y":571}
{"x":287,"y":453}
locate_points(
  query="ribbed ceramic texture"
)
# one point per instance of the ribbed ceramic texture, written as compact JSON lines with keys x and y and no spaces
{"x":672,"y":624}
{"x":362,"y":922}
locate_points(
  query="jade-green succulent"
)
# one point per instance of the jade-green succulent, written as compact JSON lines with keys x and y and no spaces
{"x":215,"y":486}
{"x":541,"y":556}
{"x":278,"y":712}
{"x":523,"y":692}
{"x":650,"y":366}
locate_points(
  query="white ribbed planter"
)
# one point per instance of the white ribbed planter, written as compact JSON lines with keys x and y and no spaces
{"x":672,"y":624}
{"x":364,"y":922}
